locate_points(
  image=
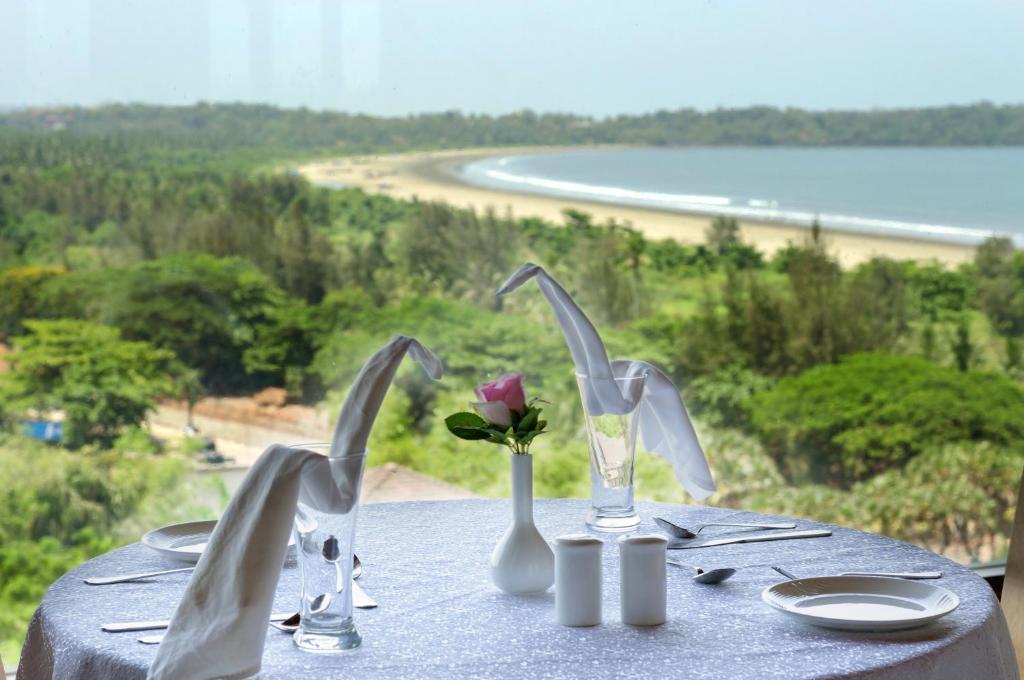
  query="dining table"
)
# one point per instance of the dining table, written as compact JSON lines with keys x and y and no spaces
{"x":439,"y":616}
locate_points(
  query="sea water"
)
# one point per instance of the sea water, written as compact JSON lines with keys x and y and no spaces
{"x":961,"y":194}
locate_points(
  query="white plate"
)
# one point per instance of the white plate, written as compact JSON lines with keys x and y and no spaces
{"x":181,"y":541}
{"x":184,"y":541}
{"x":861,"y":602}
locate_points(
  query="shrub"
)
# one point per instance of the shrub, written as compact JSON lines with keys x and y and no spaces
{"x":741,"y":467}
{"x":27,"y":568}
{"x":669,"y":255}
{"x":837,"y":424}
{"x":721,"y":398}
{"x":59,"y":508}
{"x":954,"y":498}
{"x":961,"y":495}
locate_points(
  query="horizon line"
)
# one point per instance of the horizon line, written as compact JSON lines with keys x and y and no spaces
{"x":33,"y":108}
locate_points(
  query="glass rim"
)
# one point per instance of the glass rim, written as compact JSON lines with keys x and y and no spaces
{"x":629,"y":378}
{"x":309,"y":446}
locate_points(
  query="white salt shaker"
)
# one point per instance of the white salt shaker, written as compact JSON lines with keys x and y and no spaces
{"x":578,"y":579}
{"x":642,"y":586}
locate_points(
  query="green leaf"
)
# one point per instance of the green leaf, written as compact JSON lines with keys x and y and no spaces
{"x":496,"y":436}
{"x":465,"y":419}
{"x":516,"y":419}
{"x":467,"y":426}
{"x":529,"y":421}
{"x":468,"y":433}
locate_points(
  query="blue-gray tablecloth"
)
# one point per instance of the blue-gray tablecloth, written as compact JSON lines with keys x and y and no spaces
{"x":440,"y":617}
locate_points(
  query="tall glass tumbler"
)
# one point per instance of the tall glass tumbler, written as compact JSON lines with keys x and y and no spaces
{"x":612,"y":441}
{"x":325,"y":525}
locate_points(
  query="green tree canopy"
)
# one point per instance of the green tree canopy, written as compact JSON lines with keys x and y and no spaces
{"x":837,"y":424}
{"x":1000,"y":274}
{"x":723,"y":233}
{"x":19,"y":295}
{"x":816,"y":314}
{"x":226,"y":126}
{"x":205,"y":309}
{"x":100,"y":382}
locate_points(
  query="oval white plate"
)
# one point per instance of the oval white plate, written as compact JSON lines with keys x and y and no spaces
{"x":181,"y":541}
{"x":184,"y":541}
{"x":861,"y":602}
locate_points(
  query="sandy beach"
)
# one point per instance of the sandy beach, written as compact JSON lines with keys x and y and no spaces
{"x":432,"y":176}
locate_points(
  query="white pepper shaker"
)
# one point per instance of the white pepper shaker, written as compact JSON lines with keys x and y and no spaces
{"x":642,"y":574}
{"x":578,"y":579}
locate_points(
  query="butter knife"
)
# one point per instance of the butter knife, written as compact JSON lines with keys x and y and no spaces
{"x":757,"y":538}
{"x":125,"y":578}
{"x":360,"y":600}
{"x":135,"y":626}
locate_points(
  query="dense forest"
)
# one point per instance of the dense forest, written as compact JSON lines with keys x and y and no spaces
{"x":150,"y":253}
{"x":223,"y":126}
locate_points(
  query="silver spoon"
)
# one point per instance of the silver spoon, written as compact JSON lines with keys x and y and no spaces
{"x":291,"y":624}
{"x":706,"y":577}
{"x":331,"y":552}
{"x":684,"y":533}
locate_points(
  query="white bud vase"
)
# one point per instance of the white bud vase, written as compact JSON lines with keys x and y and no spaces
{"x":522,"y":562}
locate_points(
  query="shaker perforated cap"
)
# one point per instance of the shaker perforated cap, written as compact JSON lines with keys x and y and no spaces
{"x":578,"y":540}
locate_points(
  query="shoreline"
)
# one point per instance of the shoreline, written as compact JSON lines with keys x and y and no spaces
{"x":432,"y":176}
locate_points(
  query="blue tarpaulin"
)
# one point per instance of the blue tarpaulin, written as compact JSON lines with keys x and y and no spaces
{"x":43,"y":430}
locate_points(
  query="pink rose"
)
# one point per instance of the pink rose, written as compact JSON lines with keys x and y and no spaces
{"x":499,"y":398}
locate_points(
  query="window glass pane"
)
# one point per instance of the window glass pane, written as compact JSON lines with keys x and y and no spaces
{"x":212,"y":212}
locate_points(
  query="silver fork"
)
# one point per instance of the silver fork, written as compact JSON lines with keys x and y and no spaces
{"x":685,"y":534}
{"x":907,"y":575}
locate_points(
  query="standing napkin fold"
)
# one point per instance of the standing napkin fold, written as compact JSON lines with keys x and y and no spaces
{"x":220,"y":625}
{"x":664,"y":423}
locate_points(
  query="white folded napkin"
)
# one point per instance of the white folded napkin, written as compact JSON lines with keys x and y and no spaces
{"x":664,"y":422}
{"x":220,"y":625}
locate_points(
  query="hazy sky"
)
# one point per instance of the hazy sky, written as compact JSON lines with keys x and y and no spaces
{"x":493,"y":56}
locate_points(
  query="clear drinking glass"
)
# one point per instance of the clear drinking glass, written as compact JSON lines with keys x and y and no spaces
{"x":323,"y":544}
{"x":612,"y":442}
